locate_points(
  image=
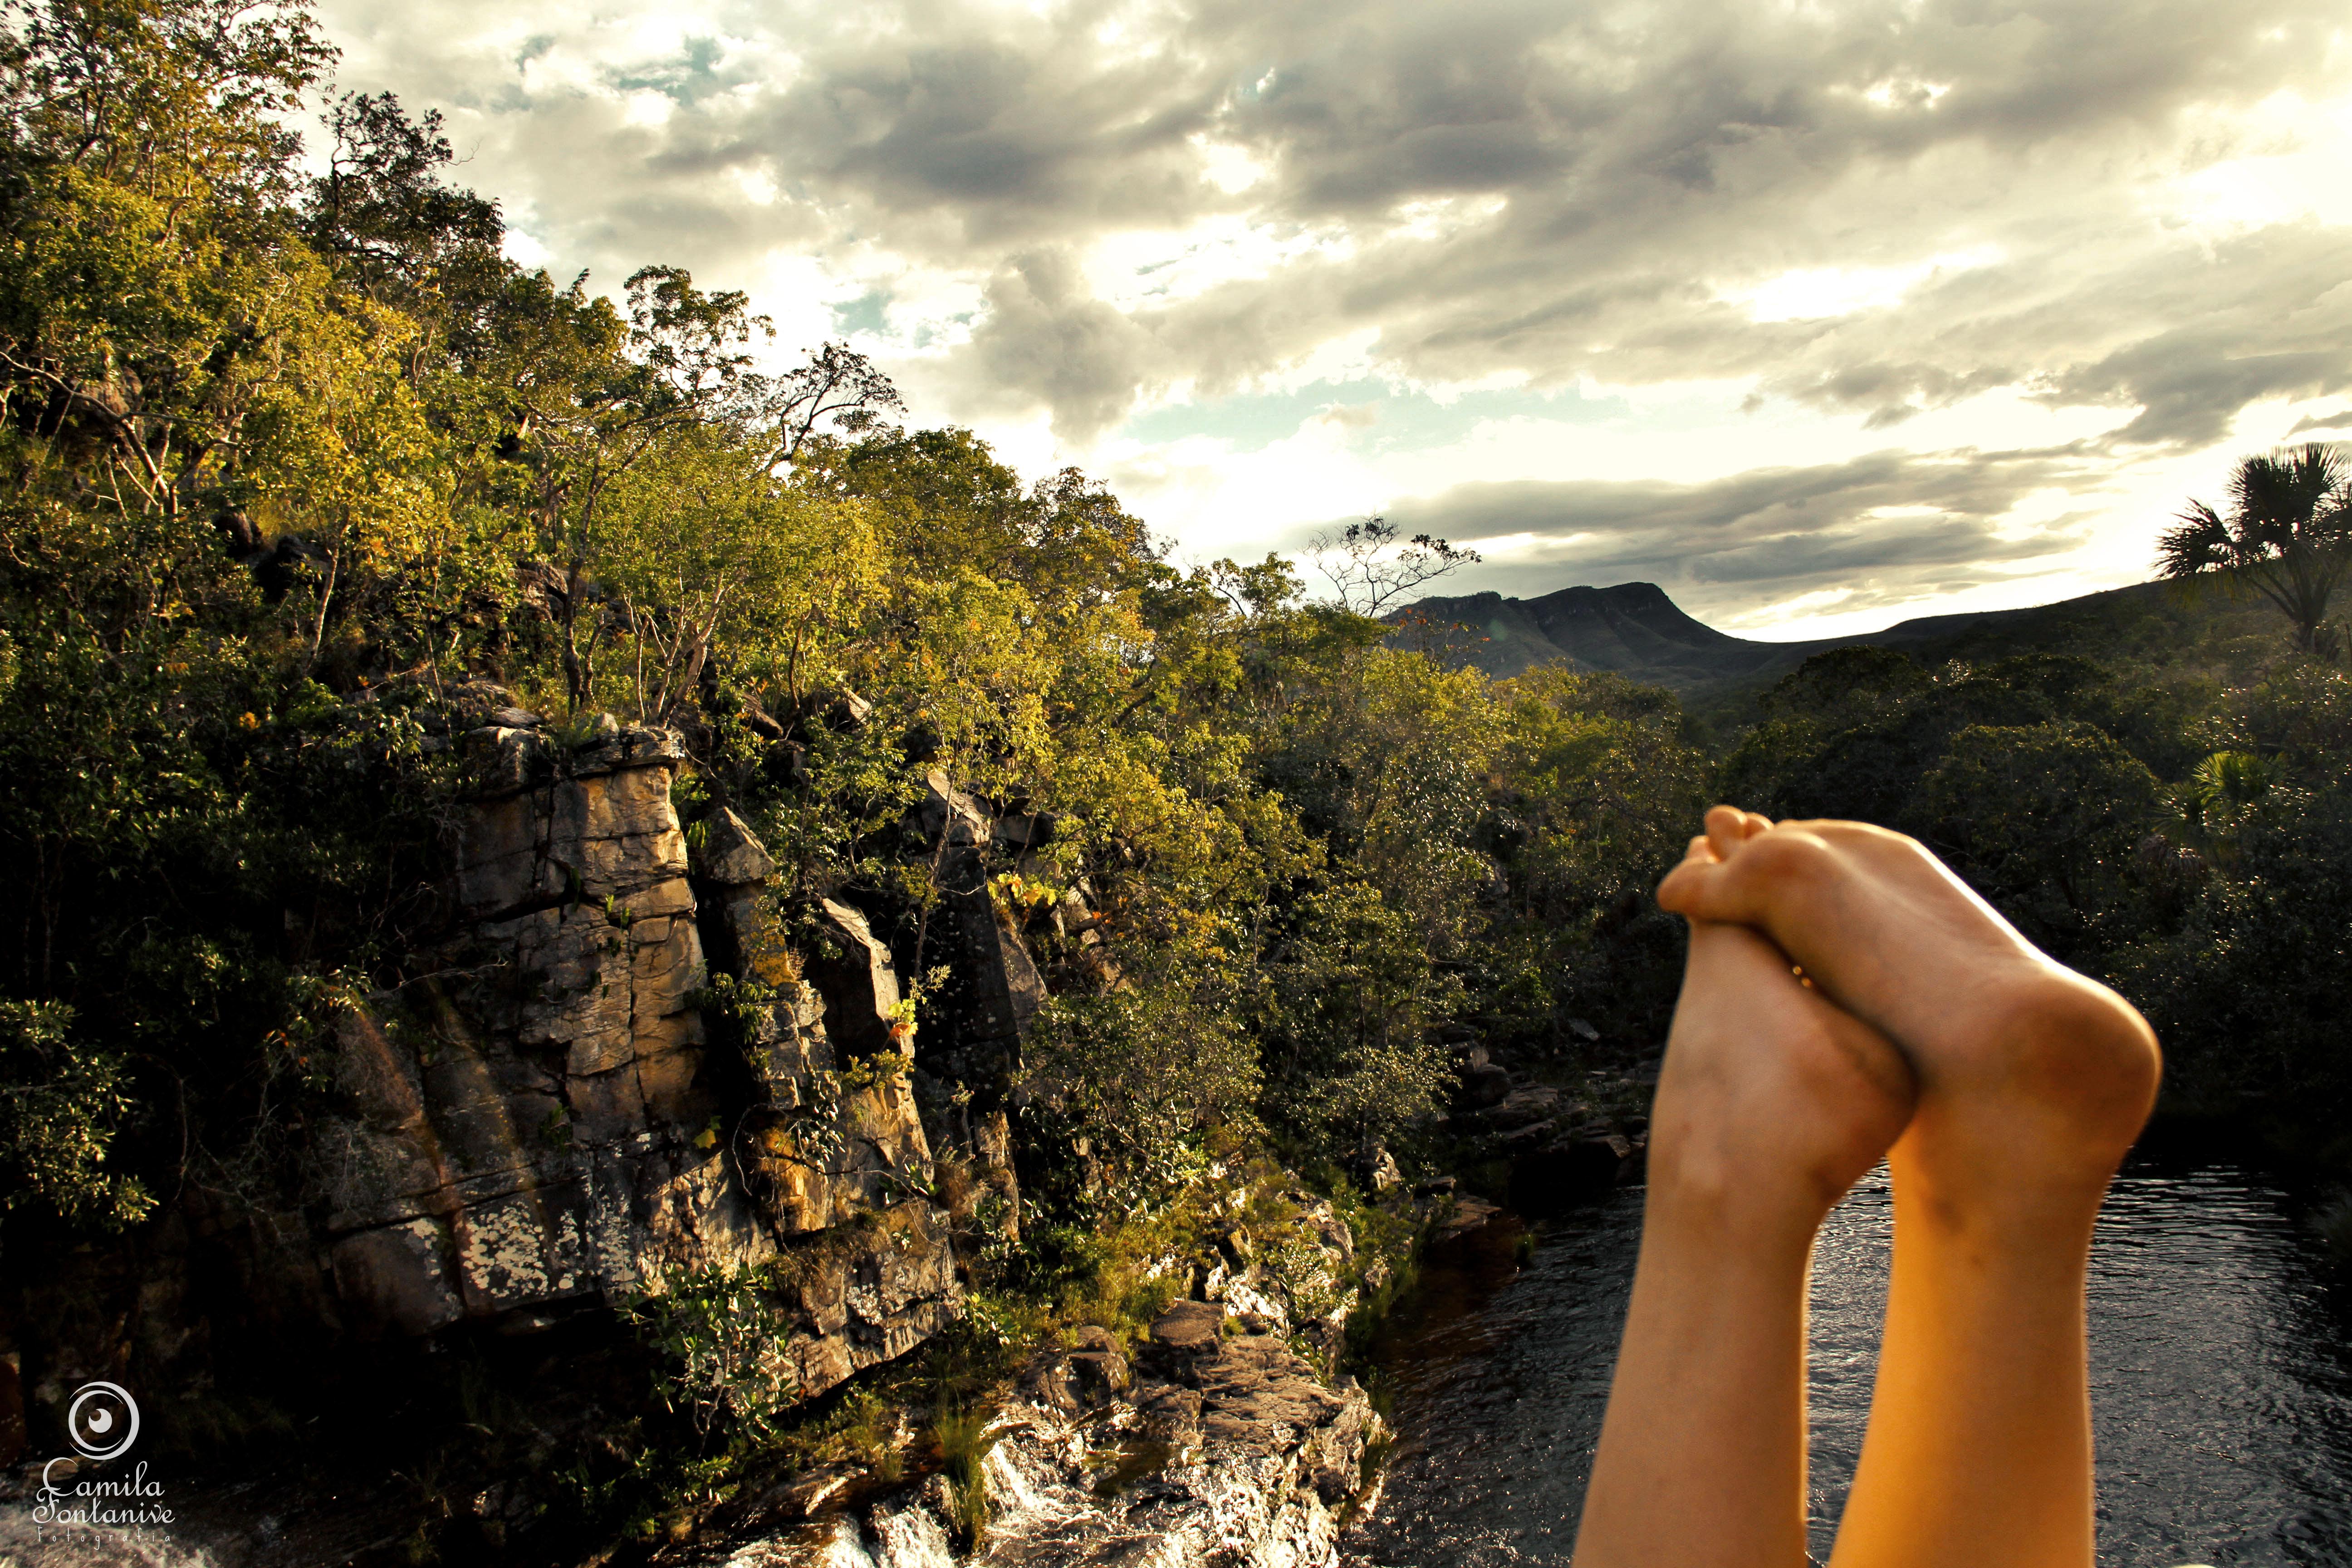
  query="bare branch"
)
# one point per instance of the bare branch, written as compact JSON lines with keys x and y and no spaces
{"x":1369,"y":569}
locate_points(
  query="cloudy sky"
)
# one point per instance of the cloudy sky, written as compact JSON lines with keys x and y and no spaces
{"x":1819,"y":315}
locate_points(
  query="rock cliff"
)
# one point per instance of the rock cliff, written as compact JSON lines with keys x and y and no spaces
{"x":544,"y":1117}
{"x":625,"y":1061}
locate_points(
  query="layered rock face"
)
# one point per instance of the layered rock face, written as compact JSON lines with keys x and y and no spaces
{"x":547,"y":1118}
{"x":996,"y":989}
{"x":1211,"y":1442}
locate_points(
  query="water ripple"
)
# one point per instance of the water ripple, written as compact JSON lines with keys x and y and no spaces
{"x":2220,"y":1372}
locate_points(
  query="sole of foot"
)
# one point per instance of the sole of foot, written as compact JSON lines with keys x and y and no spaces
{"x":2021,"y":1061}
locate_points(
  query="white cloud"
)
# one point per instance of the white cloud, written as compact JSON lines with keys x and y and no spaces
{"x":1752,"y":242}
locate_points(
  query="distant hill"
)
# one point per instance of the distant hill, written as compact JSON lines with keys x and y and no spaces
{"x":1635,"y":630}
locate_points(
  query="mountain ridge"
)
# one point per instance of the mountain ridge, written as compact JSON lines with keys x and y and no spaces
{"x":1637,"y":630}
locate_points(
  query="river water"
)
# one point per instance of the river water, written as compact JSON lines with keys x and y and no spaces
{"x":2220,"y":1370}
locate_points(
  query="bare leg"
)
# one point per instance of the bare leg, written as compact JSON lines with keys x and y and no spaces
{"x":2033,"y":1083}
{"x":1979,"y":1448}
{"x":1770,"y":1104}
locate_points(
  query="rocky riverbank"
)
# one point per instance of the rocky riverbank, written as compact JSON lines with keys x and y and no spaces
{"x":1217,"y":1435}
{"x":632,"y":1069}
{"x":1199,"y":1445}
{"x":1545,"y":1144}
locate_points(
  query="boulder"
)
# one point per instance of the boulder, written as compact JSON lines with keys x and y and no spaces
{"x":1100,"y":1374}
{"x":1523,"y":1107}
{"x":756,"y":720}
{"x":1169,"y":1414}
{"x":1376,"y":1168}
{"x":1464,"y":1215}
{"x":1574,"y":1167}
{"x":859,"y":985}
{"x":844,"y":710}
{"x":946,"y":811}
{"x":1189,"y":1327}
{"x":1483,"y":1085}
{"x":1026,"y":830}
{"x":803,"y":1495}
{"x":504,"y":759}
{"x":731,"y":855}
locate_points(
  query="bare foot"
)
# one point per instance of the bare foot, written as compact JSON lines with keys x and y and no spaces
{"x":1771,"y":1102}
{"x":2032,"y":1079}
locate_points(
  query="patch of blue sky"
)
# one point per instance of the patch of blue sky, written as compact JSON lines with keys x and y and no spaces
{"x":1408,"y":419}
{"x":685,"y":78}
{"x":945,"y":330}
{"x":866,"y":313}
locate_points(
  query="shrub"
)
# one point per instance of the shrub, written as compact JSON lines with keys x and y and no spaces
{"x":720,"y":1336}
{"x":60,"y":1107}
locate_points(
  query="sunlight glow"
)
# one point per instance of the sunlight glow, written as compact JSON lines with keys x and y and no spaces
{"x":1814,"y":293}
{"x":1229,"y":168}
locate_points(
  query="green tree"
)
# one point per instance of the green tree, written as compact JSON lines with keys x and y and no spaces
{"x":2287,"y":536}
{"x":1593,"y":793}
{"x":1149,"y":1077}
{"x":382,"y":215}
{"x":2036,"y":810}
{"x":1352,"y":996}
{"x":704,"y":556}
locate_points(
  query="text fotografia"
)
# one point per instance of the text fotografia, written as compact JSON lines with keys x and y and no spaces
{"x":101,"y":1422}
{"x":112,"y":1504}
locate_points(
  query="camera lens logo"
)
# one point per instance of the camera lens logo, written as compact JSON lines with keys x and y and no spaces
{"x":102,"y":1421}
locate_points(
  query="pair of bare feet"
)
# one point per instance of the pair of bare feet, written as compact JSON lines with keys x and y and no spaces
{"x":1920,"y":1013}
{"x":1848,"y":999}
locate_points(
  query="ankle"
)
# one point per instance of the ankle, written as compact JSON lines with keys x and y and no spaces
{"x":1698,"y":1193}
{"x":2025,"y":1191}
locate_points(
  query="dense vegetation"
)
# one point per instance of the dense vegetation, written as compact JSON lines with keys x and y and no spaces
{"x":293,"y":461}
{"x":298,"y":465}
{"x":2157,"y":788}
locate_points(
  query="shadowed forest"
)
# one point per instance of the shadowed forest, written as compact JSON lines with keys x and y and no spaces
{"x":305,"y":482}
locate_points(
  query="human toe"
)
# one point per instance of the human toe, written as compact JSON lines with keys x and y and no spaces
{"x":1727,"y":829}
{"x":1683,"y":891}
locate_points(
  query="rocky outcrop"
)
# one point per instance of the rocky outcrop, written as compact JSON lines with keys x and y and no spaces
{"x":1200,"y":1448}
{"x":547,"y":1117}
{"x":996,"y":988}
{"x":1212,"y":1441}
{"x":1560,"y":1145}
{"x":730,"y":856}
{"x":860,"y":983}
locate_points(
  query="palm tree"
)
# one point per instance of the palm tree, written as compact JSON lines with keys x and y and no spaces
{"x":2288,"y":536}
